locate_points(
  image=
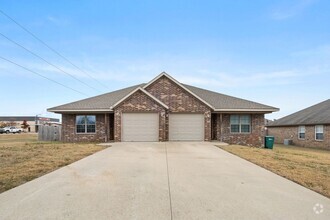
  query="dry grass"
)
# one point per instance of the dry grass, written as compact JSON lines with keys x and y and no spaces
{"x":23,"y":158}
{"x":9,"y":139}
{"x":305,"y":166}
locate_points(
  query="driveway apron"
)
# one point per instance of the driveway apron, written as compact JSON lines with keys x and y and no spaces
{"x":125,"y":181}
{"x":169,"y":180}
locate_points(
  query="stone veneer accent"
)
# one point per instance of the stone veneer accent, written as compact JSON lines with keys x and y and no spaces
{"x":254,"y":138}
{"x":291,"y":132}
{"x":140,"y":102}
{"x":180,"y":101}
{"x":69,"y":129}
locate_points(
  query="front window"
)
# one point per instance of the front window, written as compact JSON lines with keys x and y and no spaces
{"x":301,"y":132}
{"x":85,"y":123}
{"x":240,"y":123}
{"x":319,"y":132}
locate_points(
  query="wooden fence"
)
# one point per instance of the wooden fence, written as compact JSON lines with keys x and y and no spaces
{"x":49,"y":133}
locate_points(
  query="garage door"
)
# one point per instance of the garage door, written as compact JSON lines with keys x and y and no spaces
{"x":186,"y":127}
{"x":140,"y":127}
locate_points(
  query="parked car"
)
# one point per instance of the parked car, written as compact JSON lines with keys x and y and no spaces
{"x":2,"y":130}
{"x":12,"y":130}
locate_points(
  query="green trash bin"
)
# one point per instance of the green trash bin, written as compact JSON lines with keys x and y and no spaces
{"x":269,"y":142}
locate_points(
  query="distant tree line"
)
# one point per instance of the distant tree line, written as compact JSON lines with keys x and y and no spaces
{"x":7,"y":124}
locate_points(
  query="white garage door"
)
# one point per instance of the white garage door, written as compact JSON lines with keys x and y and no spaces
{"x":140,"y":127}
{"x":186,"y":127}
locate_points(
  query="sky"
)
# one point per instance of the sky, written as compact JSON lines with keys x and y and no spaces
{"x":273,"y":52}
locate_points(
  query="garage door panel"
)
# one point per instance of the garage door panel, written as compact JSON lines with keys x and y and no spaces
{"x":140,"y":127}
{"x":186,"y":127}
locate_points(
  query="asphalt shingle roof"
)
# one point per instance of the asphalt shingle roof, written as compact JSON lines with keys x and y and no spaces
{"x":316,"y":114}
{"x":104,"y":101}
{"x":221,"y":101}
{"x":217,"y":100}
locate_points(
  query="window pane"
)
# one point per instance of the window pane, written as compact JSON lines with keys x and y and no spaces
{"x":91,"y":119}
{"x":234,"y":128}
{"x":245,"y":119}
{"x":302,"y":135}
{"x":80,"y":120}
{"x":319,"y":128}
{"x":245,"y":128}
{"x":80,"y":128}
{"x":90,"y":128}
{"x":234,"y":119}
{"x":301,"y":129}
{"x":319,"y":136}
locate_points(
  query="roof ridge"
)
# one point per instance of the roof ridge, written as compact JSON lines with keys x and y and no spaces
{"x":215,"y":100}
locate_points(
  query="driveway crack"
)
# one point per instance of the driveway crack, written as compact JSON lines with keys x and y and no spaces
{"x":168,"y":182}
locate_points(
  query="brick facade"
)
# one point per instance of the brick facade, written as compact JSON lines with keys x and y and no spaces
{"x":69,"y":129}
{"x":180,"y":101}
{"x":221,"y":130}
{"x":140,"y":102}
{"x":291,"y":132}
{"x":254,"y":138}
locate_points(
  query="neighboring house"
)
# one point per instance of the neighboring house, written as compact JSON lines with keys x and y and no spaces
{"x":268,"y":121}
{"x":164,"y":110}
{"x":32,"y":121}
{"x":309,"y":127}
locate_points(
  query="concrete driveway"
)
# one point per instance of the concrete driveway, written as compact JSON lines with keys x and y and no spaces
{"x":162,"y":181}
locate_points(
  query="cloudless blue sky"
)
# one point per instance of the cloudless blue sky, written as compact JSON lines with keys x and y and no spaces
{"x":272,"y":52}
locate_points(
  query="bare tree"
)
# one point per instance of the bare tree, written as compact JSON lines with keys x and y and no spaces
{"x":25,"y":125}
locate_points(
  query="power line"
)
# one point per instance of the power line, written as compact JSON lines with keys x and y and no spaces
{"x":52,"y":49}
{"x":34,"y":72}
{"x":36,"y":55}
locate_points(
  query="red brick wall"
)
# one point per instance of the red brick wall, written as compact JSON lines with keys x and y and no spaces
{"x":140,"y":102}
{"x":281,"y":133}
{"x":69,"y":129}
{"x":179,"y":100}
{"x":254,"y":138}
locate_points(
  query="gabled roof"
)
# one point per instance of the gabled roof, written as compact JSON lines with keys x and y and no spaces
{"x":216,"y":101}
{"x":180,"y":85}
{"x":316,"y":114}
{"x":96,"y":103}
{"x":224,"y":103}
{"x":134,"y":91}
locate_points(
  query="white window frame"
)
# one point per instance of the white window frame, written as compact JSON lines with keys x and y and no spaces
{"x":240,"y":124}
{"x":320,"y":126}
{"x":85,"y":125}
{"x":299,"y":132}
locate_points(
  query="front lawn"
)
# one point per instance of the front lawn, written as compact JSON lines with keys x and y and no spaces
{"x":23,"y":158}
{"x":306,"y":166}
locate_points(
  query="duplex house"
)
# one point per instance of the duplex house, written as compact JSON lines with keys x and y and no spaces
{"x":164,"y":110}
{"x":309,"y":127}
